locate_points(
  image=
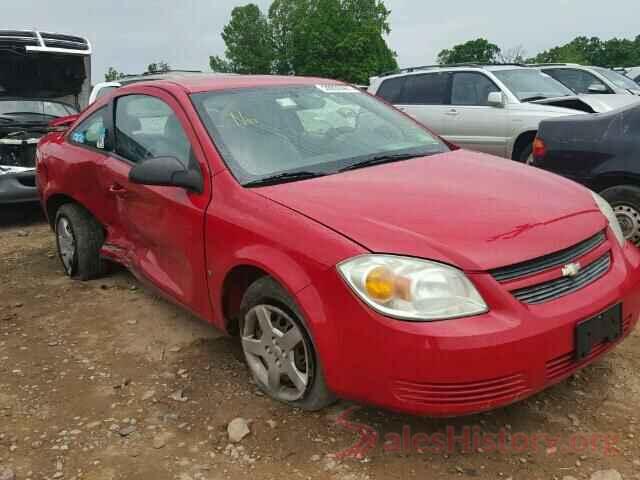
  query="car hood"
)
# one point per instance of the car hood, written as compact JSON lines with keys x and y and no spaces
{"x":468,"y":209}
{"x":43,"y":76}
{"x":606,"y":103}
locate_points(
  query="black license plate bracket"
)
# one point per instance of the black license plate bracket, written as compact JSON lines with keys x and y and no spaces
{"x":603,"y":328}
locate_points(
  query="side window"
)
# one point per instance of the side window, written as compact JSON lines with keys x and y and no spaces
{"x":391,"y":90}
{"x":428,"y":89}
{"x":577,"y":80}
{"x":91,"y":132}
{"x":146,"y":127}
{"x":472,"y":89}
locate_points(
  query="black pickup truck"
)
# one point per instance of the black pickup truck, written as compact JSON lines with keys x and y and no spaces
{"x":600,"y":151}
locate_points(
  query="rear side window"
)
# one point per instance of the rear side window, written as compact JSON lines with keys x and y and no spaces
{"x":428,"y":89}
{"x":91,"y":132}
{"x":391,"y":90}
{"x":146,"y":127}
{"x":577,"y":80}
{"x":471,"y":89}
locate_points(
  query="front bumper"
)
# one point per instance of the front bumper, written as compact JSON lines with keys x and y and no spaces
{"x":463,"y":366}
{"x":18,"y":187}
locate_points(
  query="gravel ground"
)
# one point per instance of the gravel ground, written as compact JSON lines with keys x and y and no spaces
{"x":103,"y":380}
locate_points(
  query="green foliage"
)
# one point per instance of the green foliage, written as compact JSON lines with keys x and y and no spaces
{"x":479,"y":51}
{"x":248,"y":40}
{"x":112,"y":75}
{"x":158,"y":67}
{"x":341,"y":39}
{"x":593,"y":51}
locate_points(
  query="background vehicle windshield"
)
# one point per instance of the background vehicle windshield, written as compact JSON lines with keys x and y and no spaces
{"x":616,"y":78}
{"x":531,"y":84}
{"x":318,"y":128}
{"x":40,"y":107}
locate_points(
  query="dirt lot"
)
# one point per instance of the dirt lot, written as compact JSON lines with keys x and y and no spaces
{"x":103,"y":380}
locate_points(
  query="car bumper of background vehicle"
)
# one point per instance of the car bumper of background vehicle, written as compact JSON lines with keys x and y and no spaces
{"x":469,"y":365}
{"x":18,"y":187}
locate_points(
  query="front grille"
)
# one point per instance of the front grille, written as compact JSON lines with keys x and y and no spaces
{"x":462,"y":393}
{"x":544,"y":292}
{"x":15,"y":38}
{"x":55,"y":40}
{"x":552,"y":260}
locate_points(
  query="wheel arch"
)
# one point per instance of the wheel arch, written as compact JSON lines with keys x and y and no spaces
{"x":255,"y":263}
{"x":614,"y":179}
{"x":522,"y":140}
{"x":54,"y":202}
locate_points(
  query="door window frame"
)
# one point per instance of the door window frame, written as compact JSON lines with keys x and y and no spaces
{"x":447,"y":94}
{"x":171,"y":102}
{"x":107,"y":150}
{"x":453,"y":74}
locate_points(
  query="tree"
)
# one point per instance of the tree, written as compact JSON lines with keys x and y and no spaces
{"x":343,"y":39}
{"x":158,"y":67}
{"x":516,"y":54}
{"x":473,"y":51}
{"x":112,"y":75}
{"x":248,"y":40}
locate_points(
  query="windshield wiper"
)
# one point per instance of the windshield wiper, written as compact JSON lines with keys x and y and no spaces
{"x":380,"y":159}
{"x":534,"y":98}
{"x":282,"y":178}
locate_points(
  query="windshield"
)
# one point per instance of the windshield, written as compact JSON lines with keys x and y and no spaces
{"x":531,"y":84}
{"x":310,"y":130}
{"x":35,"y":107}
{"x":616,"y":78}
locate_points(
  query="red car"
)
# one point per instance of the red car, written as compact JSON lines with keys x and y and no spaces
{"x":353,"y":252}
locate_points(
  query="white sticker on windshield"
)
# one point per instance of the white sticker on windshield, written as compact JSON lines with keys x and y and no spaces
{"x":334,"y":88}
{"x":286,"y":102}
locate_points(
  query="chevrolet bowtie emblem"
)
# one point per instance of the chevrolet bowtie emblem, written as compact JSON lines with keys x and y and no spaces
{"x":571,"y":269}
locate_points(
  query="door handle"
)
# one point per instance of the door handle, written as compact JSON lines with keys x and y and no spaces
{"x":453,"y":111}
{"x":117,"y":189}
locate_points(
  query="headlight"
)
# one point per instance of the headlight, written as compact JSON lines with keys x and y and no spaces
{"x":412,"y":289}
{"x":608,"y":212}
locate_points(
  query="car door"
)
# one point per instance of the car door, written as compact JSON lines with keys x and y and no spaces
{"x":425,"y":98}
{"x":471,"y":122}
{"x":161,"y":227}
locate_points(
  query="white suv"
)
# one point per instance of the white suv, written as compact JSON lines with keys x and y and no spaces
{"x":490,"y":108}
{"x":590,"y":80}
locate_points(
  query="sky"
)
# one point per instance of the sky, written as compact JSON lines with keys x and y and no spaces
{"x":129,"y":35}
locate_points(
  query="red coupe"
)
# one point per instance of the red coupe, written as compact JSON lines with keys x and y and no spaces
{"x":353,"y":252}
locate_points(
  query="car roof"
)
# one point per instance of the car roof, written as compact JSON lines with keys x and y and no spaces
{"x":474,"y":67}
{"x":205,"y":82}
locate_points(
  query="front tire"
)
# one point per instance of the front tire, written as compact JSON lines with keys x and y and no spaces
{"x":278,"y":349}
{"x":625,"y":201}
{"x":79,"y":238}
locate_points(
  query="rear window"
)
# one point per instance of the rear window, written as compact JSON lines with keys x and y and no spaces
{"x":391,"y":90}
{"x":429,"y":89}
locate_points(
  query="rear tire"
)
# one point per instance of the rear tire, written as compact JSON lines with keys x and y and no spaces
{"x":526,"y":155}
{"x":625,"y":201}
{"x":268,"y":317}
{"x":79,"y":238}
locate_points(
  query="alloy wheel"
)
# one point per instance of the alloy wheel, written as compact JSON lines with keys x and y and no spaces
{"x":629,"y":219}
{"x":276,"y":352}
{"x":66,"y":244}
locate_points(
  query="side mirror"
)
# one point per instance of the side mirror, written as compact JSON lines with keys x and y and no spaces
{"x":597,"y":88}
{"x":495,"y":99}
{"x":64,"y":122}
{"x":168,"y":172}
